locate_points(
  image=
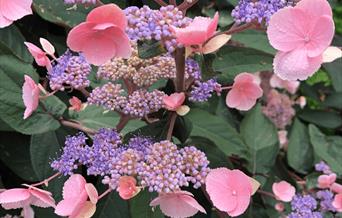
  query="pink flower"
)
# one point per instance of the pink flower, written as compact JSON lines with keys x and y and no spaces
{"x":76,"y":104}
{"x":290,"y":86}
{"x":325,"y":181}
{"x":102,"y":36}
{"x":337,"y":202}
{"x":39,"y":55}
{"x":229,"y":190}
{"x":280,"y":207}
{"x":30,"y":96}
{"x":283,"y":191}
{"x":127,"y":187}
{"x":301,"y":34}
{"x":75,"y":194}
{"x":178,"y":204}
{"x":337,"y":188}
{"x":244,"y":93}
{"x":24,"y":198}
{"x":12,"y":10}
{"x":174,"y":101}
{"x":198,"y":32}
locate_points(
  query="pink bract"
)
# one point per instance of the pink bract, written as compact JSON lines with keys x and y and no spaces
{"x":229,"y":190}
{"x":244,"y":93}
{"x":178,"y":204}
{"x":337,"y":188}
{"x":30,"y":96}
{"x":39,"y":55}
{"x":301,"y":34}
{"x":102,"y":36}
{"x":12,"y":10}
{"x":198,"y":32}
{"x":325,"y":181}
{"x":337,"y":202}
{"x":24,"y":198}
{"x":283,"y":191}
{"x":76,"y":104}
{"x":75,"y":195}
{"x":127,"y":187}
{"x":174,"y":101}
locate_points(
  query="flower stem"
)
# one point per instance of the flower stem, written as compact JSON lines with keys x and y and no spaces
{"x":186,"y":5}
{"x":160,"y":2}
{"x":46,"y":181}
{"x":266,"y":194}
{"x":77,"y":126}
{"x":105,"y":193}
{"x":173,"y":118}
{"x":124,"y":119}
{"x":180,"y":69}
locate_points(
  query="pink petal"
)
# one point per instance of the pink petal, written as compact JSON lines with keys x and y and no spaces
{"x":242,"y":205}
{"x":28,"y":212}
{"x":38,"y":55}
{"x":287,"y":29}
{"x":47,"y":46}
{"x":87,"y":210}
{"x":325,"y":181}
{"x":331,"y":53}
{"x":233,"y":98}
{"x":177,"y":204}
{"x":174,"y":101}
{"x":14,"y":195}
{"x":109,"y":13}
{"x":215,"y":43}
{"x":30,"y":96}
{"x":4,"y":22}
{"x":213,"y":25}
{"x":337,"y":203}
{"x":315,"y":8}
{"x":295,"y":65}
{"x":92,"y":192}
{"x":74,"y":186}
{"x":42,"y":199}
{"x":321,"y":36}
{"x":337,"y":188}
{"x":15,"y":9}
{"x":283,"y":191}
{"x":68,"y":206}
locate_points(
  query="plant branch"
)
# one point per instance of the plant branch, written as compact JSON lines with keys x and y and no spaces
{"x":105,"y":193}
{"x":186,"y":5}
{"x":99,"y":3}
{"x":84,"y":92}
{"x":173,"y":2}
{"x":46,"y":181}
{"x":77,"y":126}
{"x":180,"y":69}
{"x":266,"y":194}
{"x":124,"y":119}
{"x":160,"y":2}
{"x":172,"y":122}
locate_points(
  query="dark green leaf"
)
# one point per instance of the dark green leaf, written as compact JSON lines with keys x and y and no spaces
{"x":217,"y":130}
{"x":326,"y":148}
{"x":326,"y":119}
{"x":112,"y":206}
{"x":140,"y":208}
{"x":261,"y":138}
{"x":234,"y":60}
{"x":334,"y":100}
{"x":15,"y":153}
{"x":300,"y":151}
{"x":150,"y":49}
{"x":12,"y":42}
{"x":334,"y":70}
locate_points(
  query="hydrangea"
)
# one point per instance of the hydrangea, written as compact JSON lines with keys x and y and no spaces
{"x":323,"y":167}
{"x":147,"y":24}
{"x":69,"y":70}
{"x":202,"y":91}
{"x":261,"y":10}
{"x":326,"y":198}
{"x":304,"y":206}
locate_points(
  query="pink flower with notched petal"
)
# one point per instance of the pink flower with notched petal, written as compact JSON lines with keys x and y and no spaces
{"x":39,"y":55}
{"x":75,"y":194}
{"x":127,"y":187}
{"x":174,"y":101}
{"x":337,"y":202}
{"x":12,"y":10}
{"x":179,"y":204}
{"x":283,"y":191}
{"x":229,"y":190}
{"x":102,"y":36}
{"x":301,"y":34}
{"x":244,"y":93}
{"x":325,"y":181}
{"x":30,"y":96}
{"x":24,"y":198}
{"x":198,"y":32}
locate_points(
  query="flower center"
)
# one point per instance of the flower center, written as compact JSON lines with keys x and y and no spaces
{"x":307,"y":39}
{"x":234,"y":193}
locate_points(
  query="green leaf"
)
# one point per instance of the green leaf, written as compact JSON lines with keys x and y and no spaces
{"x":15,"y":153}
{"x":261,"y":138}
{"x":150,"y":49}
{"x":254,"y":39}
{"x":12,"y":42}
{"x":334,"y":100}
{"x":334,"y":70}
{"x":326,"y":148}
{"x":218,"y":131}
{"x":60,"y":13}
{"x":95,"y":117}
{"x":215,"y":156}
{"x":327,"y":119}
{"x":140,"y":208}
{"x":300,"y":151}
{"x":112,"y":206}
{"x":234,"y":60}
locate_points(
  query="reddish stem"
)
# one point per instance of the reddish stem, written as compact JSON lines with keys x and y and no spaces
{"x":46,"y":181}
{"x":171,"y":126}
{"x":77,"y":126}
{"x":160,"y":2}
{"x":105,"y":193}
{"x":124,"y":119}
